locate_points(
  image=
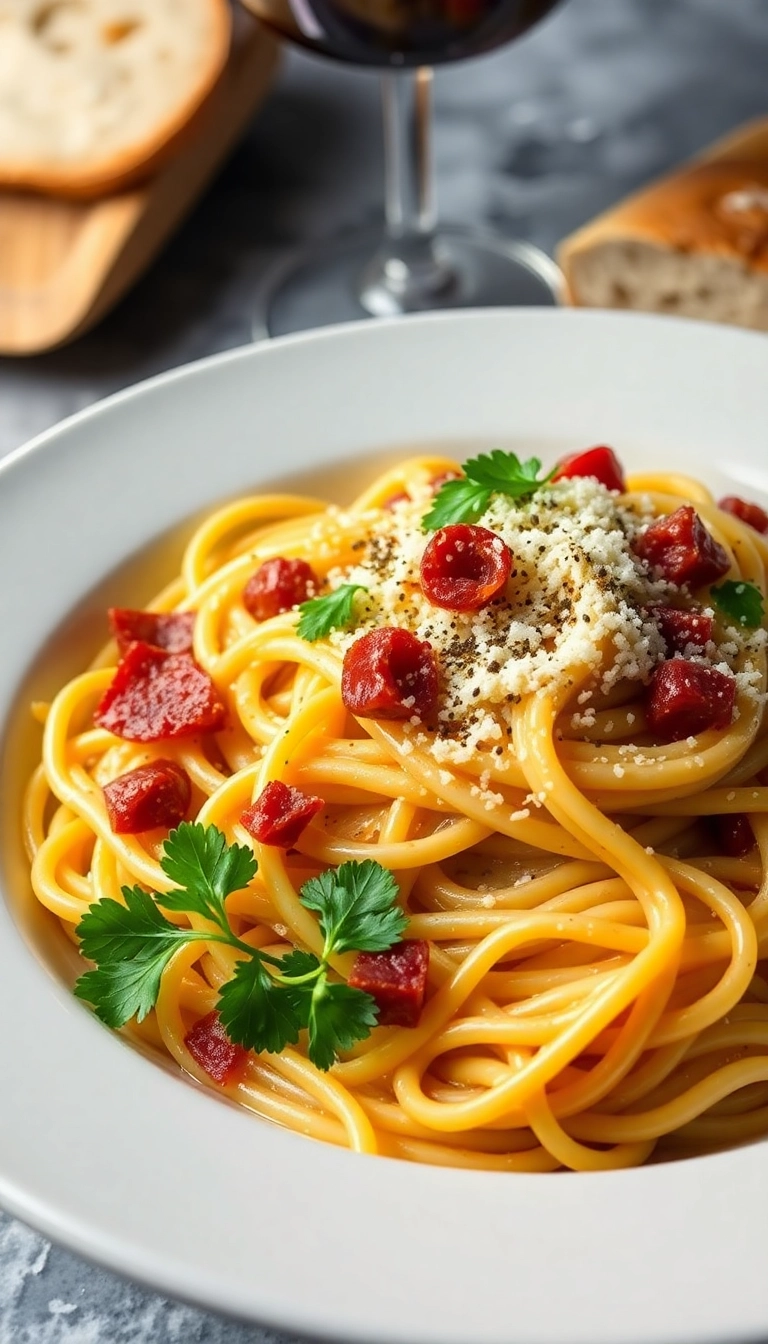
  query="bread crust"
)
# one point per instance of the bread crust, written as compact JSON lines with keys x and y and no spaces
{"x":115,"y":171}
{"x":716,"y":205}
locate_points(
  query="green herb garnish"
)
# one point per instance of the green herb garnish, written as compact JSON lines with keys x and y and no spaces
{"x":269,"y":1000}
{"x":741,"y":601}
{"x":496,"y":473}
{"x":331,"y":612}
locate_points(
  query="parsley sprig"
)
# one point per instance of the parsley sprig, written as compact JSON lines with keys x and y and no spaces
{"x":269,"y":999}
{"x":332,"y":611}
{"x":496,"y":473}
{"x":741,"y":601}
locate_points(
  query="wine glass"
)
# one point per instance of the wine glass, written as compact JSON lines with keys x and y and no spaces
{"x":414,"y":265}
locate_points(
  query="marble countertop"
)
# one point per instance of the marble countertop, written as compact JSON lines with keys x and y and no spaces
{"x":533,"y":140}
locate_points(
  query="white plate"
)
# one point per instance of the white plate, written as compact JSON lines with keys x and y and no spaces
{"x":118,"y":1158}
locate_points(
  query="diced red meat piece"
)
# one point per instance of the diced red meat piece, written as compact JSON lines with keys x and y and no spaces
{"x":600,"y":462}
{"x":396,"y":979}
{"x":464,"y":567}
{"x":389,"y":674}
{"x":155,"y":794}
{"x":682,"y":548}
{"x":684,"y":699}
{"x":280,"y":814}
{"x":169,"y":630}
{"x":211,"y":1048}
{"x":746,"y":511}
{"x":279,"y":585}
{"x":681,"y":628}
{"x":156,"y":695}
{"x":733,"y":833}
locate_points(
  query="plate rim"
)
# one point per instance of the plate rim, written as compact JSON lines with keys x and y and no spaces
{"x":125,"y":1253}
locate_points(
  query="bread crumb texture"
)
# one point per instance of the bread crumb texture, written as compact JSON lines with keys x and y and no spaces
{"x":578,"y":598}
{"x":90,"y":89}
{"x":650,"y":277}
{"x":693,"y":243}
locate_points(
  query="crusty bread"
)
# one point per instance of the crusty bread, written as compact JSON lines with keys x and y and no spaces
{"x":95,"y":93}
{"x":694,"y":243}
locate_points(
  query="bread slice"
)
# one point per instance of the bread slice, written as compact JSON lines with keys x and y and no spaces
{"x":694,"y":243}
{"x":95,"y":93}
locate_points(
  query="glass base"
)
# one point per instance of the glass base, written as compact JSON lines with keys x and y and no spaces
{"x":354,"y":277}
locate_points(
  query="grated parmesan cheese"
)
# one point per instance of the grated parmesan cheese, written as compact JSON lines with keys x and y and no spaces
{"x":577,"y":598}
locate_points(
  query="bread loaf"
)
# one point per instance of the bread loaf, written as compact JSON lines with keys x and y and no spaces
{"x":694,"y":243}
{"x":95,"y":93}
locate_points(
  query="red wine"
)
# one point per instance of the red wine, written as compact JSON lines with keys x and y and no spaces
{"x":399,"y":33}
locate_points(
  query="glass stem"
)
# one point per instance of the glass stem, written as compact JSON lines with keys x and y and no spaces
{"x":407,"y":272}
{"x":409,"y":199}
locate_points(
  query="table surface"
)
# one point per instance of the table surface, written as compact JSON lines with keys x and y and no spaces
{"x":533,"y":140}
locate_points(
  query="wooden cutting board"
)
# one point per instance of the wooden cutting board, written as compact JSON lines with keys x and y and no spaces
{"x":64,"y":264}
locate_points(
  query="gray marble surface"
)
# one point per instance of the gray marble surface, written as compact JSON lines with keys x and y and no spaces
{"x":534,"y":140}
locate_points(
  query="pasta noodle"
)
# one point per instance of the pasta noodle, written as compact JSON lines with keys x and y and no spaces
{"x":596,"y":990}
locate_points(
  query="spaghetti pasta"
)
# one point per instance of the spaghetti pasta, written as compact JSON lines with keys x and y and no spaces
{"x":596,"y":986}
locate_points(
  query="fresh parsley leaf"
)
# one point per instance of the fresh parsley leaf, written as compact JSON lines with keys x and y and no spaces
{"x":125,"y":989}
{"x":505,"y":474}
{"x":465,"y":500}
{"x":333,"y":611}
{"x":358,"y":909}
{"x":461,"y":501}
{"x":110,"y":931}
{"x":206,"y":869}
{"x":338,"y":1017}
{"x":298,"y":965}
{"x":268,"y":1001}
{"x":132,"y":945}
{"x":256,"y":1011}
{"x":741,"y":601}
